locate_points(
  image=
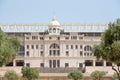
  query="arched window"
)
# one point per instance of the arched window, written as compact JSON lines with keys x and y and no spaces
{"x":54,"y":50}
{"x":54,"y":30}
{"x":87,"y":48}
{"x":54,"y":46}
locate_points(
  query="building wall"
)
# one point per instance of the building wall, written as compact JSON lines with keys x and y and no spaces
{"x":37,"y":48}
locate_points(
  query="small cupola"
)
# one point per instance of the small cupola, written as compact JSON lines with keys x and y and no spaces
{"x":54,"y":22}
{"x":54,"y":27}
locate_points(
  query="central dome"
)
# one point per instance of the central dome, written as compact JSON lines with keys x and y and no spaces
{"x":55,"y":22}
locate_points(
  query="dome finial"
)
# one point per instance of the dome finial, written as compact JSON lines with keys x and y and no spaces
{"x":54,"y":18}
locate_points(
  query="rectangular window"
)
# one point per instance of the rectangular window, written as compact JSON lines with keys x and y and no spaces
{"x":41,"y":38}
{"x":80,"y":65}
{"x":84,"y":54}
{"x":50,"y":52}
{"x":66,"y":65}
{"x":28,"y":64}
{"x":76,"y":46}
{"x":67,"y":38}
{"x":21,"y":48}
{"x":80,"y":46}
{"x":99,"y":63}
{"x":32,"y":46}
{"x":88,"y":62}
{"x":36,"y":46}
{"x":34,"y":37}
{"x":54,"y":64}
{"x":50,"y":38}
{"x":27,"y":46}
{"x":27,"y":53}
{"x":81,"y":53}
{"x":21,"y":54}
{"x":42,"y":65}
{"x":58,"y":38}
{"x":41,"y":33}
{"x":54,"y":52}
{"x":58,"y":52}
{"x":58,"y":63}
{"x":87,"y":54}
{"x":67,"y":53}
{"x":41,"y":53}
{"x":42,"y":46}
{"x":80,"y":38}
{"x":74,"y":37}
{"x":118,"y":64}
{"x":50,"y":63}
{"x":67,"y":46}
{"x":90,"y":54}
{"x":71,"y":46}
{"x":108,"y":64}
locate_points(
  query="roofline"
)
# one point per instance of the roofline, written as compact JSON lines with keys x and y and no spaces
{"x":64,"y":24}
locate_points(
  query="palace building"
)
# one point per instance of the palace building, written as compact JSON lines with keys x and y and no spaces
{"x":56,"y":47}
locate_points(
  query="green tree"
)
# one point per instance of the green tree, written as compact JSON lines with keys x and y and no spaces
{"x":109,"y":48}
{"x":115,"y":76}
{"x":97,"y":75}
{"x":11,"y":75}
{"x":9,"y":46}
{"x":30,"y":73}
{"x":75,"y":75}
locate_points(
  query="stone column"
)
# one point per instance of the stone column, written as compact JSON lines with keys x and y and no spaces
{"x":104,"y":63}
{"x":14,"y":63}
{"x":83,"y":64}
{"x":94,"y":63}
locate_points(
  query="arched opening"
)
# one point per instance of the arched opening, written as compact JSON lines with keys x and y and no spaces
{"x":54,"y":30}
{"x":54,"y":50}
{"x":87,"y":48}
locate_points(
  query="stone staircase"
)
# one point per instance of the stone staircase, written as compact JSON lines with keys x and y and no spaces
{"x":59,"y":70}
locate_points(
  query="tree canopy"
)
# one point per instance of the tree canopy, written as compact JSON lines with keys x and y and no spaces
{"x":9,"y":46}
{"x":109,"y":48}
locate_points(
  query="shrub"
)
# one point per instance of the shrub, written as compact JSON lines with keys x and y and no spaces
{"x":96,"y":75}
{"x":75,"y":75}
{"x":30,"y":73}
{"x":115,"y":76}
{"x":11,"y":75}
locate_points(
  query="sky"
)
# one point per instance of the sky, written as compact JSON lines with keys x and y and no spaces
{"x":66,"y":11}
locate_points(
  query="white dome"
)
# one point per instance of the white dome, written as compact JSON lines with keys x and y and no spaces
{"x":54,"y":22}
